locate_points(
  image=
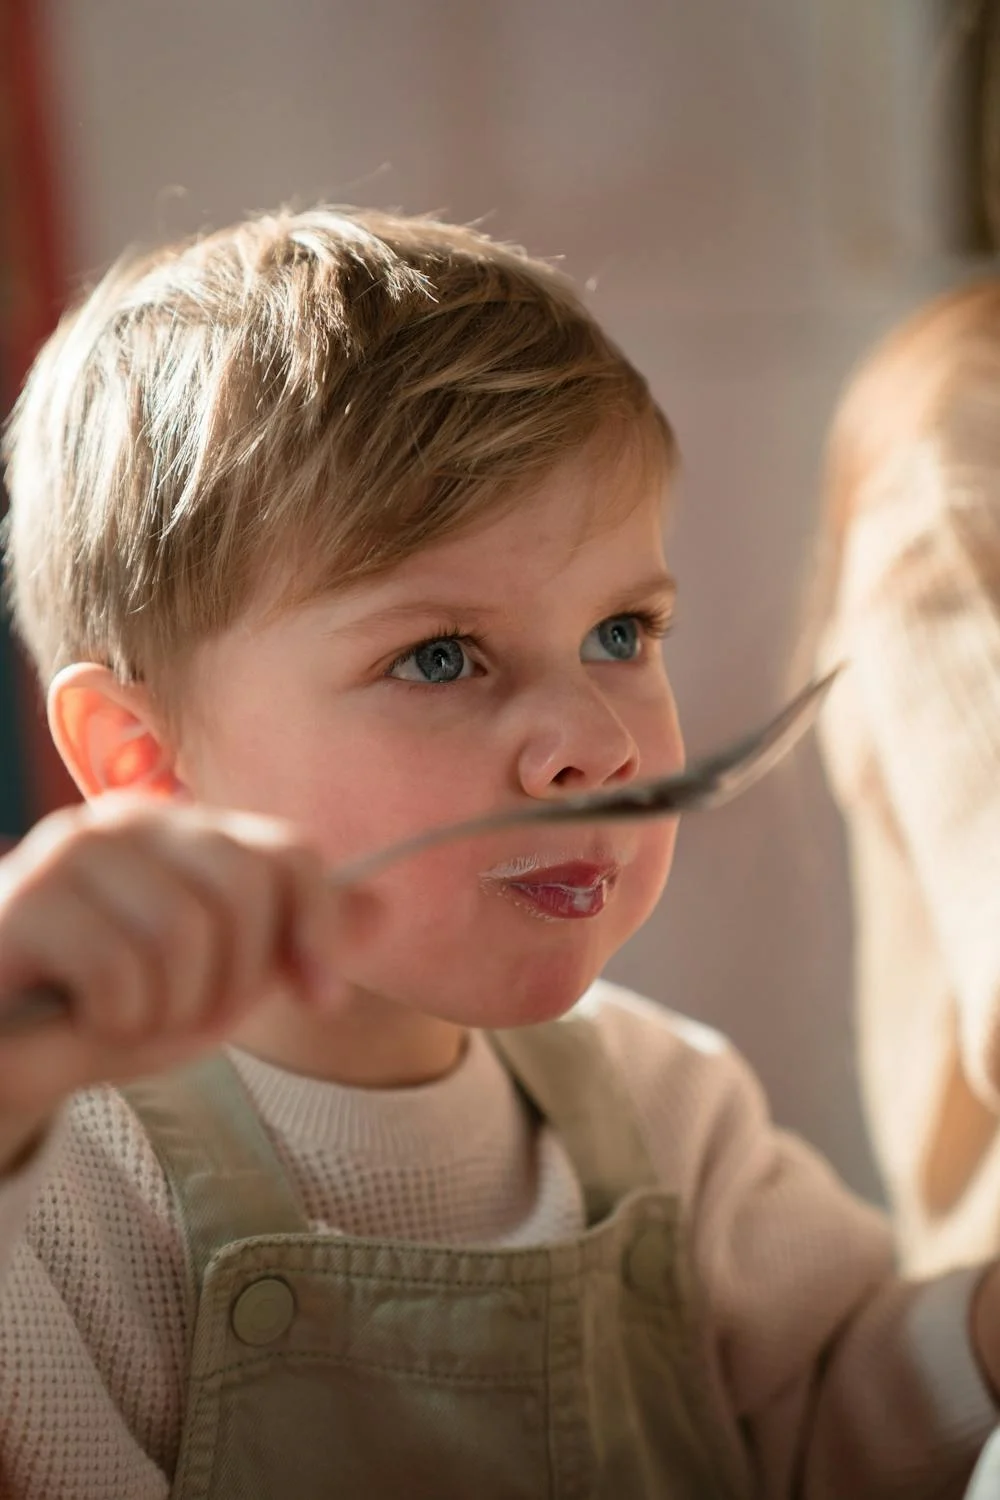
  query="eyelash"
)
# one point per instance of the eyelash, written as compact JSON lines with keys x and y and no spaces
{"x":450,"y":632}
{"x":656,"y":624}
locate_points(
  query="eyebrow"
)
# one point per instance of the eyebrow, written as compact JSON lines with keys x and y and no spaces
{"x":660,"y":585}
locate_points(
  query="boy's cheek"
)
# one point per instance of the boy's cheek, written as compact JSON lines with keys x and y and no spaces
{"x":651,"y":868}
{"x":662,"y":744}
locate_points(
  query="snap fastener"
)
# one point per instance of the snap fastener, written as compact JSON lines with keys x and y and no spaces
{"x":645,"y":1263}
{"x":263,"y":1311}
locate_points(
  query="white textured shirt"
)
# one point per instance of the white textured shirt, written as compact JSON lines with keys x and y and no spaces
{"x":825,"y":1362}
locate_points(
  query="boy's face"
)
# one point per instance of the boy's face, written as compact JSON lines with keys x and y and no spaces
{"x":511,"y":665}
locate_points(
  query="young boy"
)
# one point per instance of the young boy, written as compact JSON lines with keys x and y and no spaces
{"x":353,"y":523}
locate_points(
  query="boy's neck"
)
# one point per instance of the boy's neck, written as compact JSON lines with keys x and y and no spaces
{"x":368,"y":1043}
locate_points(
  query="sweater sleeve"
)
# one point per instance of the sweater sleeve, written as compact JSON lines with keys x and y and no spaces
{"x":846,"y":1379}
{"x":91,"y":1288}
{"x":920,"y":625}
{"x":837,"y":1377}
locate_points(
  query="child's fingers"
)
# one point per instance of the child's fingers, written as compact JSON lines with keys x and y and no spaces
{"x":164,"y":924}
{"x":276,"y":911}
{"x":268,"y":886}
{"x":183,"y":939}
{"x":270,"y":890}
{"x":59,"y":937}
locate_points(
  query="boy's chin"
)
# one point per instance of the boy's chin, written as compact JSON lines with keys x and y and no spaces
{"x":533,"y":1010}
{"x":545,"y":997}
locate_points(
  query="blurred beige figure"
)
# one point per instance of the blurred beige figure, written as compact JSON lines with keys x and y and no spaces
{"x":911,"y":737}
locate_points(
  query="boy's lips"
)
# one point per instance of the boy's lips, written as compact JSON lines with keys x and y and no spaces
{"x":569,"y":890}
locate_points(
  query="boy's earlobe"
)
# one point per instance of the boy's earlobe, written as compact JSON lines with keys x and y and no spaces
{"x":107,"y":735}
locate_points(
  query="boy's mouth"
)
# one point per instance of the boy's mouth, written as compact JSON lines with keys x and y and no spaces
{"x":567,"y":891}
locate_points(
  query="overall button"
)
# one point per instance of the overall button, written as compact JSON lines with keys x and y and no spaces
{"x":263,"y":1311}
{"x":646,"y":1263}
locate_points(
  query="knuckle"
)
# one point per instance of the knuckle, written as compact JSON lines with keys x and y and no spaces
{"x":113,"y":994}
{"x":58,"y":827}
{"x":92,"y":839}
{"x":111,"y":972}
{"x":248,"y":876}
{"x":185,"y":922}
{"x":260,"y":833}
{"x":49,"y":849}
{"x":125,"y":807}
{"x":81,"y":847}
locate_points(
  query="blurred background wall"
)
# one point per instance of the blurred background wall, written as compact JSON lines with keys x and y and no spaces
{"x":750,"y":189}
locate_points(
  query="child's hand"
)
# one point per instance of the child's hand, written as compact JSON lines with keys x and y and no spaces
{"x":165,"y":924}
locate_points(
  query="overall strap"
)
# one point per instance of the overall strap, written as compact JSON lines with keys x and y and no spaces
{"x":223,"y":1171}
{"x":564,"y":1069}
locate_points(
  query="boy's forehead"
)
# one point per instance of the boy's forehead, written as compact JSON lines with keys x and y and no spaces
{"x":596,"y":516}
{"x":590,"y":498}
{"x":493,"y":569}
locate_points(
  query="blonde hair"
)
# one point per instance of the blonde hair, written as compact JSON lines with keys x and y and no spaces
{"x":306,"y":398}
{"x":933,"y":386}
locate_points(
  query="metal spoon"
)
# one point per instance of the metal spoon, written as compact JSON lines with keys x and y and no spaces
{"x":707,"y":783}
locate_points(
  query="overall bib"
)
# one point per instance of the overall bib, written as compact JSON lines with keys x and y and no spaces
{"x":325,"y":1367}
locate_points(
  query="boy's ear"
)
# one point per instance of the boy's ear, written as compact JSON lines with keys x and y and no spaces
{"x":107,"y":734}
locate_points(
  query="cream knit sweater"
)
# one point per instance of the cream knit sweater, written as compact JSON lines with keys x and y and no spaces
{"x":912,"y":742}
{"x":94,"y":1313}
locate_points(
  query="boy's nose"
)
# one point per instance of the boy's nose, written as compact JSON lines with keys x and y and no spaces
{"x":575,"y":742}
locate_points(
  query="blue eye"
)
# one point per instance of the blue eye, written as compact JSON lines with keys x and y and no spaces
{"x":617,"y":639}
{"x":439,"y":661}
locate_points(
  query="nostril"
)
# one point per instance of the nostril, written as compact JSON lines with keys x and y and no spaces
{"x":572,"y":776}
{"x":568,"y":776}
